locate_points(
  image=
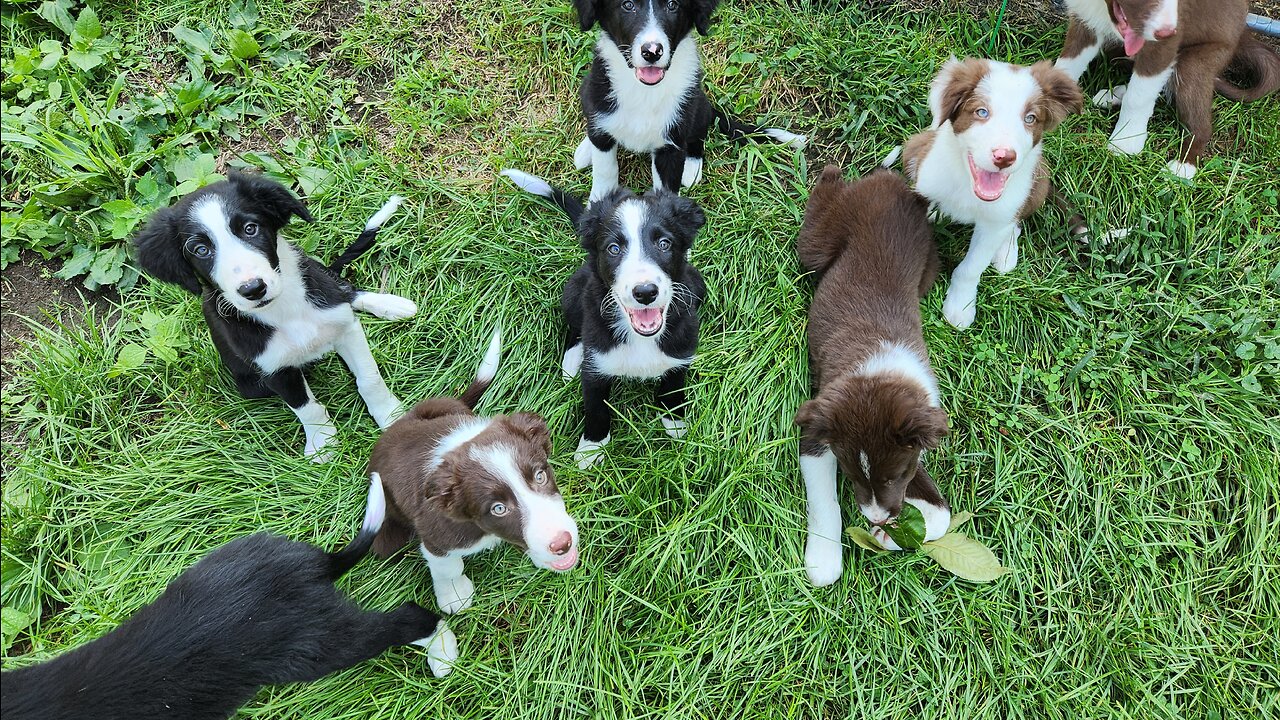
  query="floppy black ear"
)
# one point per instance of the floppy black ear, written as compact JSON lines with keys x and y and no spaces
{"x":702,"y":11}
{"x":274,"y":199}
{"x":686,"y":215}
{"x":598,"y":213}
{"x":586,"y":12}
{"x":159,"y":251}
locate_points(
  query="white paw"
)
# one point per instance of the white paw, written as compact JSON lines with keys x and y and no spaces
{"x":787,"y":138}
{"x":883,"y":538}
{"x":455,"y":595}
{"x":318,"y":438}
{"x":959,"y":310}
{"x":1126,"y":143}
{"x":1110,"y":98}
{"x":937,"y":520}
{"x":822,"y":561}
{"x":442,"y":650}
{"x":385,"y":306}
{"x":675,"y":428}
{"x":572,"y":362}
{"x":582,"y":156}
{"x":589,"y":453}
{"x":1186,"y":171}
{"x":1006,"y":258}
{"x":387,"y":413}
{"x":692,"y":172}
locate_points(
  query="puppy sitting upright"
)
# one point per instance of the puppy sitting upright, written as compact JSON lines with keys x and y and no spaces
{"x":269,"y":307}
{"x":462,"y":484}
{"x":644,"y":92}
{"x":632,"y":308}
{"x":875,"y":409}
{"x":981,"y":161}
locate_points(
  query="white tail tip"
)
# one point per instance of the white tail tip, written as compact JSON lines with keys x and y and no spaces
{"x":375,"y":511}
{"x":529,"y":183}
{"x":380,"y":217}
{"x":892,"y":157}
{"x":488,"y":369}
{"x":787,"y":138}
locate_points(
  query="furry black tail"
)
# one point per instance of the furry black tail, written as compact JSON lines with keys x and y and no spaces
{"x":740,"y":132}
{"x":375,"y":513}
{"x":1257,"y":60}
{"x":570,"y":204}
{"x":485,"y":374}
{"x":367,"y":236}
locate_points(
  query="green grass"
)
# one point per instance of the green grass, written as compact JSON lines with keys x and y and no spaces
{"x":1114,"y":408}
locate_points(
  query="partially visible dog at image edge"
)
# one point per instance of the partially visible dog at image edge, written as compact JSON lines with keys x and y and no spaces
{"x":270,"y":309}
{"x":260,"y":610}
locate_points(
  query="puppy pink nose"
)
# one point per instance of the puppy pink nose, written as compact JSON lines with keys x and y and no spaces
{"x":1166,"y":32}
{"x":1004,"y":157}
{"x":561,"y":543}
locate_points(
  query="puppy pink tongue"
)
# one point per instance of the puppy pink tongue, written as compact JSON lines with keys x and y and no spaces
{"x":987,"y":185}
{"x":650,"y":75}
{"x":1133,"y":39}
{"x":646,"y":319}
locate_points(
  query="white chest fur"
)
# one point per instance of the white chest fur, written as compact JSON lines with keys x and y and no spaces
{"x":303,"y":332}
{"x":1094,"y":14}
{"x":636,"y":358}
{"x":645,"y":112}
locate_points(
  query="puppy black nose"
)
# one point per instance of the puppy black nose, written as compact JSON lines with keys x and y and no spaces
{"x":651,"y":52}
{"x":645,"y":294}
{"x":253,"y":290}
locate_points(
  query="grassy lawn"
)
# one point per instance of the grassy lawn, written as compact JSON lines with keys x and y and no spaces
{"x":1113,"y":409}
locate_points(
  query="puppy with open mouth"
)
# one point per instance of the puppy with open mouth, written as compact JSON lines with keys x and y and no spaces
{"x":632,"y":308}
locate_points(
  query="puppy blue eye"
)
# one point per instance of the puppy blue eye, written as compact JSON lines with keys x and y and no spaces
{"x":982,"y":113}
{"x":614,"y":249}
{"x":498,"y":509}
{"x":664,"y":244}
{"x":540,"y":477}
{"x":250,"y":229}
{"x":672,"y":5}
{"x":1029,"y":119}
{"x":629,"y":6}
{"x":198,"y":249}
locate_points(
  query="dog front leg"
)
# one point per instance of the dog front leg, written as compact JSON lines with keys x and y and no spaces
{"x":960,"y":305}
{"x":670,"y":397}
{"x":384,"y":305}
{"x":353,"y":348}
{"x":923,"y":493}
{"x":1138,"y":99}
{"x":604,"y":166}
{"x":822,"y":549}
{"x":1006,"y":257}
{"x":668,"y":168}
{"x":291,"y":385}
{"x":1079,"y":49}
{"x":598,"y":418}
{"x":454,"y":590}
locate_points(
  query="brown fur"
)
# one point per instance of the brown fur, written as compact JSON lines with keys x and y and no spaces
{"x":961,"y":99}
{"x":871,"y":247}
{"x":1211,"y":36}
{"x":447,"y":507}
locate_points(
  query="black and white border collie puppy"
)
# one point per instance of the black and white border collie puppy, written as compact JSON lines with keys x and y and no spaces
{"x":260,"y":610}
{"x":632,"y":308}
{"x":644,"y":92}
{"x":269,"y":307}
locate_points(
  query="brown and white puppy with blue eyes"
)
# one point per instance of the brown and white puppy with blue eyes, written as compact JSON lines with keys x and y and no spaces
{"x":271,"y":310}
{"x":462,"y":484}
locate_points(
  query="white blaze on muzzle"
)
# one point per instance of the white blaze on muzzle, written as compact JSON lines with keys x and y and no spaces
{"x":544,"y":521}
{"x":651,"y":71}
{"x":638,"y":271}
{"x":234,"y":262}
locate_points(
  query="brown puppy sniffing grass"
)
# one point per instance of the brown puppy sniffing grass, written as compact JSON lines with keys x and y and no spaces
{"x":875,"y":408}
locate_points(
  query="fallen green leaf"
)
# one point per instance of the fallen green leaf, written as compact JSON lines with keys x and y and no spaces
{"x":864,"y":539}
{"x":965,"y":557}
{"x":908,"y":529}
{"x":959,"y":519}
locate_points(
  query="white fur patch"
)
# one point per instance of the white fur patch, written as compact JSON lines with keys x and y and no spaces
{"x":1130,"y":134}
{"x":822,"y":550}
{"x":1075,"y":66}
{"x":234,"y":262}
{"x":317,"y":427}
{"x":442,"y":650}
{"x":571,"y":365}
{"x":675,"y":428}
{"x":1107,"y":99}
{"x":456,"y":438}
{"x":892,"y":157}
{"x":488,"y":369}
{"x":375,"y":510}
{"x":385,"y":305}
{"x":865,"y":462}
{"x":637,"y":357}
{"x":787,"y":138}
{"x":895,"y":359}
{"x":589,"y":453}
{"x":384,"y":213}
{"x":583,"y":153}
{"x":692,"y":173}
{"x":544,"y":517}
{"x":1186,"y":171}
{"x":530,"y":183}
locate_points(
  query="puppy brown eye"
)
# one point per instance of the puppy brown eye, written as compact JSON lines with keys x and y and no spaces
{"x":540,"y":477}
{"x":664,"y":244}
{"x":614,"y":249}
{"x":498,"y":509}
{"x":250,"y":229}
{"x":982,"y":113}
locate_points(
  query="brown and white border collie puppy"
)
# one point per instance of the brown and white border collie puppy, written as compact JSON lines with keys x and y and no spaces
{"x":981,"y":163}
{"x":875,"y":409}
{"x":462,"y":484}
{"x":1184,"y":45}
